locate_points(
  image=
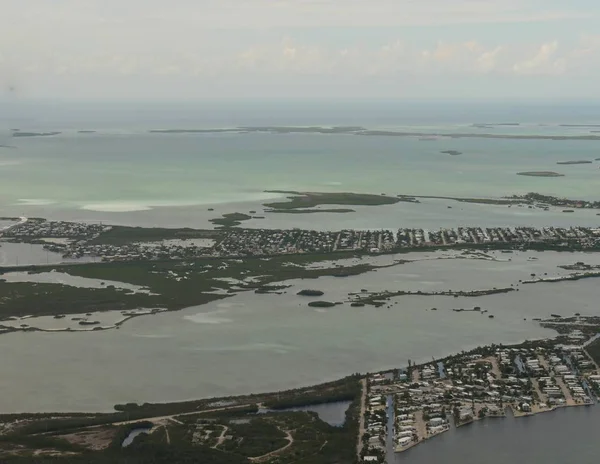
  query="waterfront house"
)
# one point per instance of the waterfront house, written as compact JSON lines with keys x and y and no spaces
{"x":436,"y":421}
{"x":405,"y":441}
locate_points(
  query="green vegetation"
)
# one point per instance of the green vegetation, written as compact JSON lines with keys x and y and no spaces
{"x":141,"y":452}
{"x":312,"y":199}
{"x":532,"y":198}
{"x":343,"y":390}
{"x":33,"y":134}
{"x":452,"y":152}
{"x":255,"y":438}
{"x":311,"y":211}
{"x":231,"y":219}
{"x":25,"y":298}
{"x":174,"y":284}
{"x":358,"y":130}
{"x":321,"y":304}
{"x":379,"y":299}
{"x":121,"y":235}
{"x":191,"y":131}
{"x":219,"y":431}
{"x":384,"y":133}
{"x":540,"y":174}
{"x":575,"y":162}
{"x":305,"y":130}
{"x":593,"y":350}
{"x":486,"y":201}
{"x":309,"y":292}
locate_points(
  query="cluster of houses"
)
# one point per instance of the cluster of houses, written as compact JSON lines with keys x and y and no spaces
{"x":529,"y":379}
{"x":478,"y":235}
{"x":558,"y":375}
{"x":372,"y":241}
{"x":266,"y":242}
{"x":258,"y":242}
{"x":240,"y":242}
{"x":76,"y":240}
{"x":167,"y":249}
{"x":42,"y":229}
{"x":375,"y":435}
{"x":545,"y":201}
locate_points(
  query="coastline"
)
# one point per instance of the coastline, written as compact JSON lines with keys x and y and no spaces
{"x":359,"y":391}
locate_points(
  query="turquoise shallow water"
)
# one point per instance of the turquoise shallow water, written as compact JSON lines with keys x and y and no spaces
{"x":123,"y":174}
{"x":109,"y":172}
{"x":123,"y":168}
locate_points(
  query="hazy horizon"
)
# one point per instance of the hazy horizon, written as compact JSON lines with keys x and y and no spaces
{"x":299,"y":49}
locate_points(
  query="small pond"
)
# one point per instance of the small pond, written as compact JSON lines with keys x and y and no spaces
{"x":332,"y":413}
{"x":132,"y":436}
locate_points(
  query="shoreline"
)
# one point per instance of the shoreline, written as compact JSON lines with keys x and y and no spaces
{"x":358,"y":392}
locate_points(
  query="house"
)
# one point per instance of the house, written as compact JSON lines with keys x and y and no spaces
{"x":438,"y":429}
{"x":435,"y":421}
{"x":404,"y":441}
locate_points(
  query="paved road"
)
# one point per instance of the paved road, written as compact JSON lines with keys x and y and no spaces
{"x":162,"y":419}
{"x":22,"y":220}
{"x":361,"y":418}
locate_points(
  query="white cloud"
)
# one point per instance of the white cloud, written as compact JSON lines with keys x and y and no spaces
{"x":487,"y":61}
{"x":104,"y":44}
{"x":291,"y":57}
{"x":544,"y":61}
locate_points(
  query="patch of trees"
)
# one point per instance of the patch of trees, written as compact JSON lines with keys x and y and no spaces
{"x":145,"y":453}
{"x":347,"y":392}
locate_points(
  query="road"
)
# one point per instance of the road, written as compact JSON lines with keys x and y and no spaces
{"x":22,"y":220}
{"x":159,"y":421}
{"x":569,"y":399}
{"x":221,"y":438}
{"x":163,"y":419}
{"x":265,"y":457}
{"x":361,"y":418}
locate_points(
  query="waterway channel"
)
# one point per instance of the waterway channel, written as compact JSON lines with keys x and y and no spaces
{"x":567,"y":435}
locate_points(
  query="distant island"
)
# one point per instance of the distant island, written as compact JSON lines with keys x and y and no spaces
{"x":485,"y":124}
{"x":358,"y":130}
{"x":452,"y":152}
{"x":270,"y":129}
{"x":34,"y":134}
{"x":230,"y":219}
{"x":310,"y":211}
{"x":309,"y":292}
{"x":191,"y":131}
{"x":579,"y":125}
{"x":86,"y":132}
{"x":540,"y":174}
{"x":298,"y":200}
{"x":575,"y":162}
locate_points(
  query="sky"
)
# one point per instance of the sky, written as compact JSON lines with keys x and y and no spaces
{"x":273,"y":49}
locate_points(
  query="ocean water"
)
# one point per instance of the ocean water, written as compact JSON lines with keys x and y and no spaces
{"x":567,"y":435}
{"x":173,"y":178}
{"x":256,"y":343}
{"x":123,"y":174}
